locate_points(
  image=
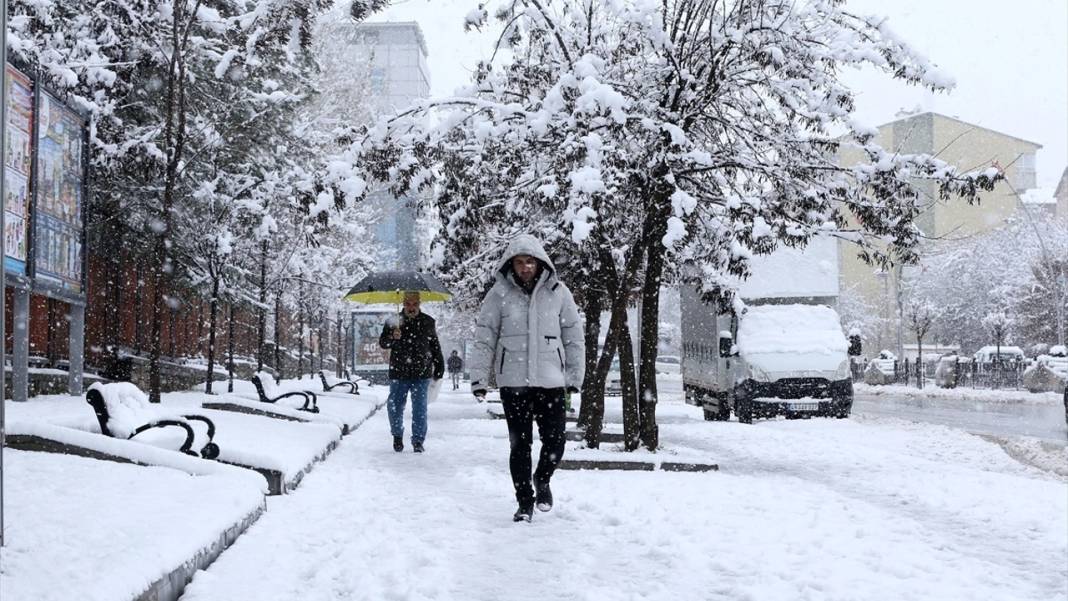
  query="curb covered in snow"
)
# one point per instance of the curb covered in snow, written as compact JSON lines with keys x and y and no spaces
{"x":171,"y":586}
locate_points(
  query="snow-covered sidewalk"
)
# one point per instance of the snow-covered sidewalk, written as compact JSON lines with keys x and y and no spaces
{"x":79,"y":528}
{"x":814,"y":509}
{"x":977,"y":395}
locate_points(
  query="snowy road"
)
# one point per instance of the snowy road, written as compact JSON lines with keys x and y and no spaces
{"x":813,"y":509}
{"x":1043,"y":421}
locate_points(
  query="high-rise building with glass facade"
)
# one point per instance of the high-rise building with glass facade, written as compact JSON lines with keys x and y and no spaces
{"x":386,"y":64}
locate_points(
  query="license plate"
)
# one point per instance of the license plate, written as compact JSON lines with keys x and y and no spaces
{"x":803,"y":406}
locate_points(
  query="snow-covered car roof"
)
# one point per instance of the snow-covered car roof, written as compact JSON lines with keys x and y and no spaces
{"x":1005,"y":350}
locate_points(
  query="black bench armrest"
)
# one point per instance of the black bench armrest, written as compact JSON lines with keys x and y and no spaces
{"x":327,"y":387}
{"x":185,"y":448}
{"x":210,"y":450}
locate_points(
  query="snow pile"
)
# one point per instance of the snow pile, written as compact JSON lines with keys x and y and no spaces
{"x":129,"y":409}
{"x":1049,"y":373}
{"x":270,"y":388}
{"x":879,"y":372}
{"x":1046,"y":456}
{"x":78,"y":528}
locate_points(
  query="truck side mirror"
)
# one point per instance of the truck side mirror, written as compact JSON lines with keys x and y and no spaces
{"x":726,"y":341}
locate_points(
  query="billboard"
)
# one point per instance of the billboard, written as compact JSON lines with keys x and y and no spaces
{"x":368,"y":357}
{"x":17,"y":170}
{"x":60,"y":174}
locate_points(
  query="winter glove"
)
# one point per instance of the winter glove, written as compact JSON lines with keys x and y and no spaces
{"x":480,"y":395}
{"x":567,"y":401}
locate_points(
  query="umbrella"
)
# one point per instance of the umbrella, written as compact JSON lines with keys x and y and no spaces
{"x":390,"y":286}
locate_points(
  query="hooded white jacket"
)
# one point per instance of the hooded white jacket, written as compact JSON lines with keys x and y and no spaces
{"x":528,"y":339}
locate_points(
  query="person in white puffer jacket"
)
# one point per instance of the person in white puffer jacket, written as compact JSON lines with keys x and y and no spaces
{"x":530,"y":333}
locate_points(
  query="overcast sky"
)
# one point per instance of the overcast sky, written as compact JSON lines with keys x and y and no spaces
{"x":1009,"y":59}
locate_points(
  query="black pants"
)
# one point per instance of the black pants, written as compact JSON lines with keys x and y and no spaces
{"x":522,"y":406}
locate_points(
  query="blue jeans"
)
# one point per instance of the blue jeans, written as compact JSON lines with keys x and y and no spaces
{"x":398,"y":398}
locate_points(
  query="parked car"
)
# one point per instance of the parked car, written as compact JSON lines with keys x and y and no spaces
{"x":613,"y":384}
{"x":946,"y":372}
{"x":668,"y":364}
{"x":1008,"y":355}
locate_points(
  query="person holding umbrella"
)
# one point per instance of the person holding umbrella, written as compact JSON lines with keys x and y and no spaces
{"x":530,"y":333}
{"x":414,"y":358}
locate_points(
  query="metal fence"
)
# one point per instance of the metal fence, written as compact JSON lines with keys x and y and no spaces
{"x":964,"y":374}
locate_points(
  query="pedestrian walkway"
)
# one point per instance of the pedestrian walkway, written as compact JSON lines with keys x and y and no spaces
{"x":792,"y":515}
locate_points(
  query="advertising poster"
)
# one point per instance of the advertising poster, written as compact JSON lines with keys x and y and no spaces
{"x":370,"y":360}
{"x":58,"y":231}
{"x":17,"y":171}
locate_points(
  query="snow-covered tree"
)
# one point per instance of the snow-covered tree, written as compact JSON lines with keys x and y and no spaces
{"x":653,"y":140}
{"x":1014,"y":268}
{"x":191,"y":106}
{"x":920,"y":314}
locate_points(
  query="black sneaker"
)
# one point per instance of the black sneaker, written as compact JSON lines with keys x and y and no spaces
{"x":544,"y":497}
{"x":417,"y":447}
{"x":524,"y":514}
{"x":398,"y":444}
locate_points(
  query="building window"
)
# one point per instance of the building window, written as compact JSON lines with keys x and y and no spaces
{"x":378,"y":80}
{"x":1025,"y":172}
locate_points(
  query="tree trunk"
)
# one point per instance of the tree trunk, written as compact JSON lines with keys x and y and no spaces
{"x":596,"y":391}
{"x":262,"y":311}
{"x":593,"y":306}
{"x":919,"y":362}
{"x":649,"y":343}
{"x":339,"y":361}
{"x":278,"y":334}
{"x":300,"y":335}
{"x":213,"y":315}
{"x":230,"y":350}
{"x":997,"y":359}
{"x":653,"y":231}
{"x":138,"y":306}
{"x":620,"y":286}
{"x":174,"y":138}
{"x":322,"y":347}
{"x":631,"y":416}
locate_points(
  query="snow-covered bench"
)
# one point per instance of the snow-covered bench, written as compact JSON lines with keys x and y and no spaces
{"x":328,"y":385}
{"x":123,"y":411}
{"x":268,"y":392}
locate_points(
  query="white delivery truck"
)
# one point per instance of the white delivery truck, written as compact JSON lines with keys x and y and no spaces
{"x":785,"y":354}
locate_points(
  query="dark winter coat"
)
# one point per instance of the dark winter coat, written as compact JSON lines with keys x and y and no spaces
{"x":532,"y":338}
{"x":455,"y":363}
{"x":417,"y":355}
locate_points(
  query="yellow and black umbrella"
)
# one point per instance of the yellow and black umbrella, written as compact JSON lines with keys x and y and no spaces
{"x":389,"y":287}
